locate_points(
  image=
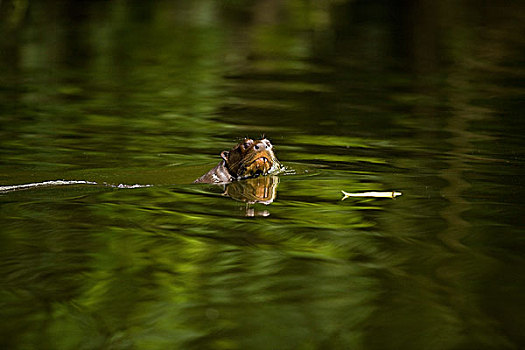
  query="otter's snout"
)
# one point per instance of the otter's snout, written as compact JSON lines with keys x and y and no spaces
{"x":262,"y":145}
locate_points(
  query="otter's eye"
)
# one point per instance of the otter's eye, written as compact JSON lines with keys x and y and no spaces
{"x":248,"y":143}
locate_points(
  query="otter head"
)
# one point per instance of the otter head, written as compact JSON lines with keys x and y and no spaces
{"x":250,"y":159}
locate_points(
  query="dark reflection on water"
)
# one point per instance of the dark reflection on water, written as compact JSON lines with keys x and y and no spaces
{"x":422,"y":97}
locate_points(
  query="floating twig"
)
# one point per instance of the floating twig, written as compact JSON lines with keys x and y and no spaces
{"x":392,"y":194}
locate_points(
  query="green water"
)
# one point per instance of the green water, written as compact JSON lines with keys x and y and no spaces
{"x":422,"y":97}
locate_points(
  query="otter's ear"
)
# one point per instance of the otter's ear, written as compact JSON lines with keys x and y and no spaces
{"x":225,"y":154}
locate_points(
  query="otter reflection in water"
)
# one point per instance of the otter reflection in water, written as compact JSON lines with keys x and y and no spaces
{"x":247,"y":160}
{"x":259,"y":190}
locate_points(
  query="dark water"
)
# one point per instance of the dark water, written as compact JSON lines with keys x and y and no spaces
{"x":422,"y":97}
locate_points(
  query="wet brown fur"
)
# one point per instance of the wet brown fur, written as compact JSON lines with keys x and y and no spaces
{"x":247,"y":159}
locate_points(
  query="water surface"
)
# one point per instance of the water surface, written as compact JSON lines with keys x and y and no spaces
{"x":423,"y":97}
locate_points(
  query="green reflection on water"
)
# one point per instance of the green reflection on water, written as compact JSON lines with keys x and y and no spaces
{"x":421,"y":97}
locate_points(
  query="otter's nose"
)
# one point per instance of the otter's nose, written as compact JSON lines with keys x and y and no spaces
{"x":260,"y":146}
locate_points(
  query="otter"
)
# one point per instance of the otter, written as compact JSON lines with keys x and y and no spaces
{"x":247,"y":159}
